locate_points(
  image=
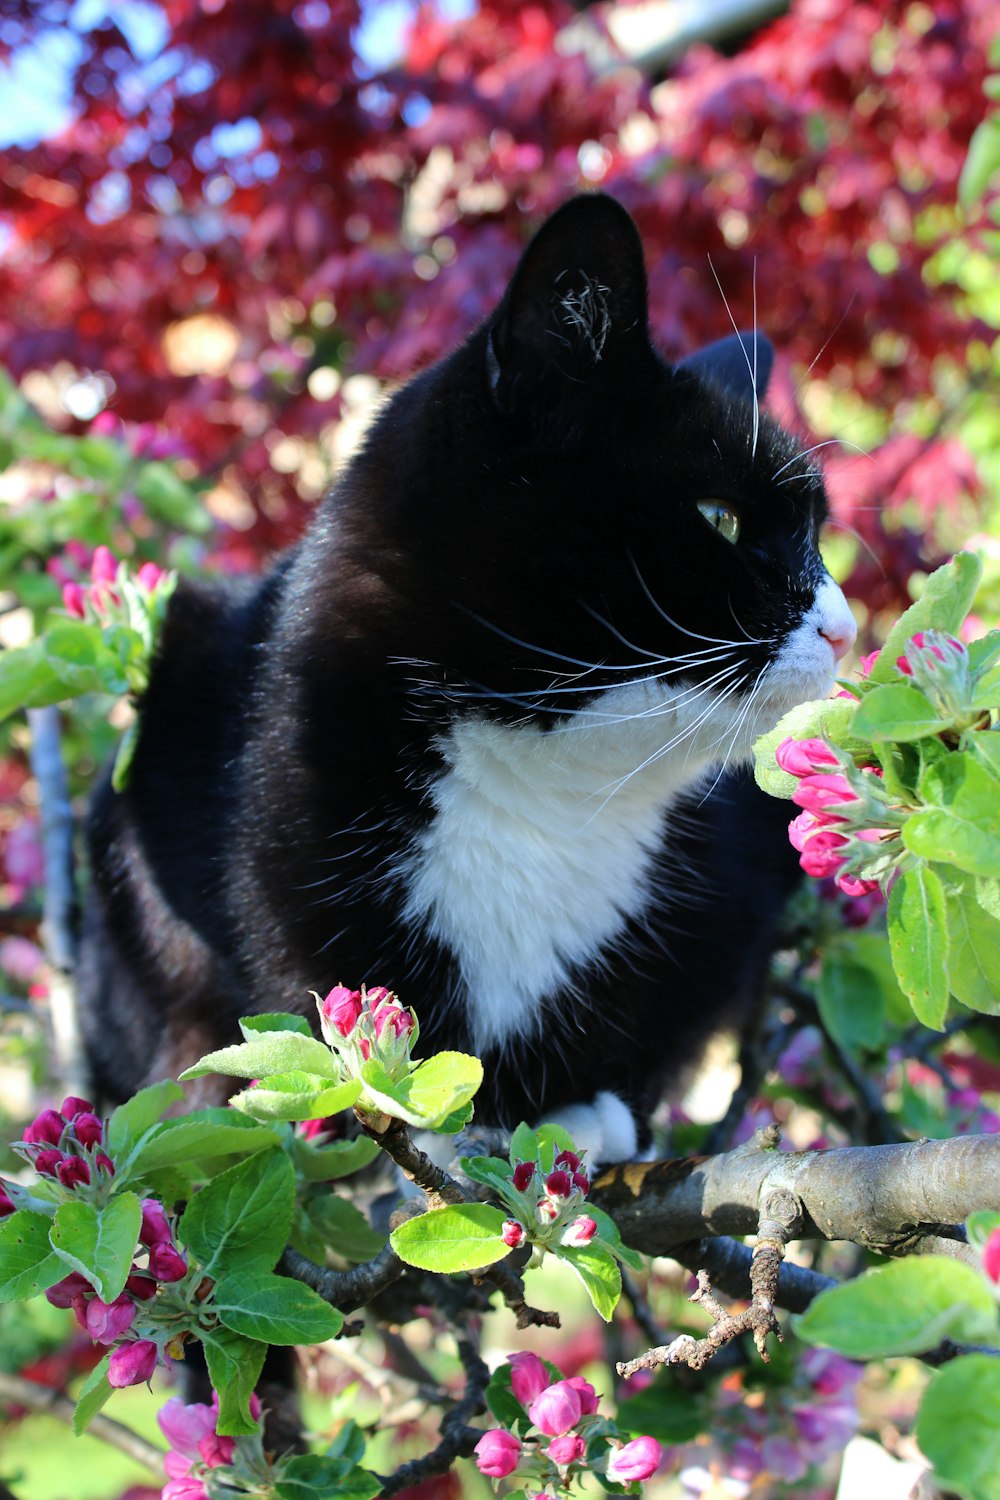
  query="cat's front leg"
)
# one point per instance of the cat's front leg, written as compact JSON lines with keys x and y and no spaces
{"x":604,"y":1129}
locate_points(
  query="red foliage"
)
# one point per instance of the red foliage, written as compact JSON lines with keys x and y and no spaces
{"x":252,"y":168}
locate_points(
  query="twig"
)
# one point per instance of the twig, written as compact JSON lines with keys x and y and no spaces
{"x":728,"y":1264}
{"x":57,"y":1404}
{"x":458,"y":1439}
{"x":347,"y":1290}
{"x":641,"y":1310}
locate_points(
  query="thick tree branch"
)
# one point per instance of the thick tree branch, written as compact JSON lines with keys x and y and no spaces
{"x":347,"y":1290}
{"x":42,"y":1398}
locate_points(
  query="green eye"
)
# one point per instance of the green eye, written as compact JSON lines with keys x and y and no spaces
{"x":721,"y":518}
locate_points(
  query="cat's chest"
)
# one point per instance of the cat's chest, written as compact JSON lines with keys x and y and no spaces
{"x":542,"y":849}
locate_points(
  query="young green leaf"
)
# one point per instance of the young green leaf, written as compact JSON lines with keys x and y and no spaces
{"x":296,"y":1096}
{"x":240,"y":1221}
{"x":28,"y":1264}
{"x":943,"y":605}
{"x":344,"y":1228}
{"x":268,"y":1053}
{"x":460,"y":1237}
{"x":974,"y":954}
{"x":274,"y":1310}
{"x":961,"y":826}
{"x":338,"y":1159}
{"x":194,"y":1140}
{"x":234,"y":1366}
{"x":598,"y":1270}
{"x":99,"y":1242}
{"x":851,"y":1001}
{"x":430,"y":1093}
{"x":252,"y":1026}
{"x":609,"y":1232}
{"x":897,"y":712}
{"x":918,"y":941}
{"x":906,"y":1307}
{"x":133,"y":1118}
{"x":958,"y":1427}
{"x":93,"y":1393}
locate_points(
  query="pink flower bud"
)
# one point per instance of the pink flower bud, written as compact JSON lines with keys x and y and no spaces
{"x":166,"y":1263}
{"x":569,"y":1449}
{"x":580,"y":1232}
{"x":528,"y":1377}
{"x":547,"y":1210}
{"x":148,"y":576}
{"x":558,"y":1185}
{"x":47,"y":1162}
{"x":393,"y":1015}
{"x":140,"y":1286}
{"x":185,"y":1488}
{"x":497,"y":1453}
{"x":131,"y":1364}
{"x":637,"y":1460}
{"x":512,"y":1233}
{"x":45,"y":1129}
{"x":588,"y":1396}
{"x":817,"y":793}
{"x":107,"y":1321}
{"x":6,"y":1204}
{"x":74,"y":597}
{"x":103,"y":566}
{"x":104,"y":1163}
{"x":991,"y":1256}
{"x":155,"y":1227}
{"x":216,"y":1450}
{"x":581,"y":1181}
{"x":568,"y":1159}
{"x":523,"y":1173}
{"x":865,"y":663}
{"x":72,"y":1106}
{"x":72,"y":1170}
{"x":378,"y":993}
{"x":556,"y":1409}
{"x":804,"y":757}
{"x":63,"y":1293}
{"x":341,"y":1009}
{"x":88,"y":1129}
{"x":185,"y":1426}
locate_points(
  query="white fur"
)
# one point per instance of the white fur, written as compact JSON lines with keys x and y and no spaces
{"x":605,"y":1129}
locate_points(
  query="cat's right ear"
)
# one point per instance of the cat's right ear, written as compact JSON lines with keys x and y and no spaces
{"x":575,"y":311}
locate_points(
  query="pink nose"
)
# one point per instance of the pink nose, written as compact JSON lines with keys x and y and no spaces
{"x":841,"y":637}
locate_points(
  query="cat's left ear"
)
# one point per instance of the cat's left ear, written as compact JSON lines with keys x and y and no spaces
{"x":575,"y":311}
{"x":741,"y":364}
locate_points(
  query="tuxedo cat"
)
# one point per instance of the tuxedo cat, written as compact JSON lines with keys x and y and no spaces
{"x":474,"y":737}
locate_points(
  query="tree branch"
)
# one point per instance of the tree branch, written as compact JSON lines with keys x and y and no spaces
{"x":458,"y":1439}
{"x":57,"y":1404}
{"x":347,"y":1290}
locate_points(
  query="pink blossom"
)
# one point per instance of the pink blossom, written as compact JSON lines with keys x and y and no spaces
{"x":88,"y":1129}
{"x":107,"y":1321}
{"x":186,"y":1488}
{"x":866,"y":663}
{"x":556,"y":1409}
{"x":523,"y":1173}
{"x":47,"y":1162}
{"x":569,"y":1449}
{"x":148,"y":576}
{"x":72,"y":1170}
{"x":131,"y":1364}
{"x":804,"y":757}
{"x":512,"y":1233}
{"x":581,"y":1181}
{"x":104,"y":1163}
{"x":568,"y":1159}
{"x":637,"y":1460}
{"x":216,"y":1450}
{"x":185,"y":1425}
{"x":103,"y":566}
{"x":580,"y":1232}
{"x":72,"y":1106}
{"x":63,"y":1293}
{"x":140,"y":1286}
{"x":393,"y":1015}
{"x":6,"y":1203}
{"x":497,"y":1453}
{"x":588,"y":1396}
{"x":818,"y":793}
{"x":155,"y":1227}
{"x":167,"y":1263}
{"x":819,"y":849}
{"x":341,"y":1008}
{"x":558,"y":1184}
{"x":991,"y":1256}
{"x":546,"y":1210}
{"x":528,"y":1377}
{"x":377,"y":993}
{"x":74,"y":597}
{"x":45,"y":1129}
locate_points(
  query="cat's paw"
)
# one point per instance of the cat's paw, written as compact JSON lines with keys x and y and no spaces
{"x":604,"y":1129}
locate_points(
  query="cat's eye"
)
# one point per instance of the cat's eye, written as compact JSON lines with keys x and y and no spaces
{"x":721,"y":518}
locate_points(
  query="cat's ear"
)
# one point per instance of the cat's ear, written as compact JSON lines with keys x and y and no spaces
{"x":740,"y":364}
{"x":575,"y":309}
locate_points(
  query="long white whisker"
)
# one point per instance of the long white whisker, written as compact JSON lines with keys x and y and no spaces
{"x":827,"y":443}
{"x":751,"y":367}
{"x":715,"y":640}
{"x":654,"y":710}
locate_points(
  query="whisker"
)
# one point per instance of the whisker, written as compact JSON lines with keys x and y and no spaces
{"x":751,"y":367}
{"x":827,"y":443}
{"x":715,"y":640}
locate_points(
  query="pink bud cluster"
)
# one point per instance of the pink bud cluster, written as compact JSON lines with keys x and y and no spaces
{"x":547,"y":1205}
{"x":939,"y":665}
{"x":134,"y":1359}
{"x":829,"y":832}
{"x":101,"y":598}
{"x":359,"y":1024}
{"x":563,"y":1414}
{"x":195,"y":1445}
{"x":64,"y":1145}
{"x":928,"y":650}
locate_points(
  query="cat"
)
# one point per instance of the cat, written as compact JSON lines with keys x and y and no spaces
{"x":482,"y":736}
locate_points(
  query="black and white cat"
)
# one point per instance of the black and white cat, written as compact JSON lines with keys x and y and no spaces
{"x":473,"y":738}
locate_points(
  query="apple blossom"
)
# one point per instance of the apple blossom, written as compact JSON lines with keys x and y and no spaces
{"x":556,"y":1409}
{"x":497,"y":1453}
{"x":528,"y":1377}
{"x":569,"y":1449}
{"x":512,"y":1233}
{"x":131,"y":1364}
{"x":637,"y":1460}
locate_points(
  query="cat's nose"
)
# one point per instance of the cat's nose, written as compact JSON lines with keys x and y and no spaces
{"x":841,"y":635}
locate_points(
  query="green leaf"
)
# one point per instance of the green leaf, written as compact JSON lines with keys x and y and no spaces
{"x":962,"y":826}
{"x":275,"y":1310}
{"x":943,"y":605}
{"x":99,"y":1242}
{"x":252,"y":1026}
{"x":193,"y":1140}
{"x":851,"y":1001}
{"x":28,"y":679}
{"x":460,"y":1237}
{"x":524,"y":1144}
{"x":430,"y":1093}
{"x":906,"y":1307}
{"x":77,"y":653}
{"x":987,"y":691}
{"x":598,"y":1270}
{"x":974,"y":959}
{"x":492,"y":1171}
{"x":829,"y":718}
{"x":897,"y":712}
{"x":93,"y":1393}
{"x":981,"y":163}
{"x":240,"y":1221}
{"x":234,"y":1366}
{"x":28,"y":1264}
{"x":316,"y":1477}
{"x":168,"y":498}
{"x":552,"y":1139}
{"x":958,"y":1427}
{"x":983,"y":654}
{"x":339,"y":1159}
{"x":918,"y":941}
{"x":296,"y":1096}
{"x":344,"y":1228}
{"x":133,"y":1118}
{"x":609,"y":1232}
{"x":980,"y":1226}
{"x":124,"y":755}
{"x":268,"y":1053}
{"x":502,"y":1402}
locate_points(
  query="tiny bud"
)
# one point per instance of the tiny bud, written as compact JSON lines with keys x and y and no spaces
{"x":74,"y":598}
{"x":216,"y":1450}
{"x":155,"y":1227}
{"x":88,"y":1129}
{"x":107,"y":1321}
{"x":568,"y":1449}
{"x":556,"y":1409}
{"x":547,"y":1210}
{"x":71,"y":1286}
{"x":497,"y":1453}
{"x":588,"y":1396}
{"x":72,"y":1106}
{"x":131,"y":1364}
{"x":104,"y":1164}
{"x":528,"y":1377}
{"x":140,"y":1286}
{"x":558,"y":1184}
{"x":104,"y":566}
{"x":581,"y":1181}
{"x":72,"y":1170}
{"x":512,"y":1233}
{"x":148,"y":576}
{"x":47,"y":1162}
{"x":166,"y":1263}
{"x":568,"y":1159}
{"x":637,"y":1460}
{"x":580,"y":1232}
{"x":523,"y":1173}
{"x":341,"y":1009}
{"x":45,"y":1129}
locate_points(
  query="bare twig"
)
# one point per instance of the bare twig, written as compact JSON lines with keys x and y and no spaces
{"x":458,"y":1439}
{"x":42,"y":1398}
{"x":347,"y":1290}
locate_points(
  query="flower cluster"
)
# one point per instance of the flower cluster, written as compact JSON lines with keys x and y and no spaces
{"x":195,"y":1445}
{"x":546,"y":1206}
{"x":359,"y":1024}
{"x":103,"y":599}
{"x":64,"y":1145}
{"x":833,"y":833}
{"x":939,"y":665}
{"x":133,"y":1359}
{"x":563,"y":1434}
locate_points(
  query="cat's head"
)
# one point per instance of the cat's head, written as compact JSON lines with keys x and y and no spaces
{"x":593,"y":518}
